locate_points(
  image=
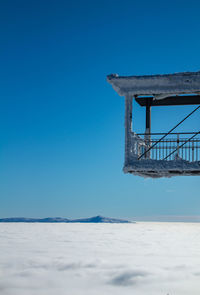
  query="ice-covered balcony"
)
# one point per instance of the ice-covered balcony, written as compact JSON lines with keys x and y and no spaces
{"x":160,"y":154}
{"x":176,"y":154}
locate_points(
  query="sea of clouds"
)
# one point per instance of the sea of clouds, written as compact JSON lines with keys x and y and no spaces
{"x":100,"y":259}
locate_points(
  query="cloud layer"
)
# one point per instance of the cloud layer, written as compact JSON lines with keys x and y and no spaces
{"x":96,"y":259}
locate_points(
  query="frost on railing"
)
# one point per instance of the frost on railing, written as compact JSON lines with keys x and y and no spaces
{"x":174,"y":146}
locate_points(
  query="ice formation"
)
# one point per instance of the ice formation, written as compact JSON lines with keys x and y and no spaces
{"x":159,"y":86}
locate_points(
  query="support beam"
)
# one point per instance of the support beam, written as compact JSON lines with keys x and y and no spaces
{"x":148,"y":126}
{"x":170,"y":101}
{"x":128,"y":126}
{"x":148,"y":116}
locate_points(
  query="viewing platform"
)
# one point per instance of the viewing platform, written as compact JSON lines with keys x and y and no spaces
{"x":160,"y":154}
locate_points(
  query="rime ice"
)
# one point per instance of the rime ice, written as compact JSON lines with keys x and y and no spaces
{"x":163,"y":157}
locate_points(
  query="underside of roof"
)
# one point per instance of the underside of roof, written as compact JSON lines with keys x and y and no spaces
{"x":159,"y":86}
{"x":173,"y":100}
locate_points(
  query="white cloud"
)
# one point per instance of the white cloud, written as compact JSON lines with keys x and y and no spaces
{"x":96,"y":259}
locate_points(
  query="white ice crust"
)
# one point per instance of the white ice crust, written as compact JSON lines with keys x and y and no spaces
{"x":156,"y":168}
{"x":162,"y":168}
{"x":159,"y":86}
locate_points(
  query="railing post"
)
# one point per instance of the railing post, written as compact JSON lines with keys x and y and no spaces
{"x":193,"y":151}
{"x":178,"y":140}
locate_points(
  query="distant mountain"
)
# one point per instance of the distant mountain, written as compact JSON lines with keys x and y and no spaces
{"x":44,"y":220}
{"x":95,"y":219}
{"x":100,"y":219}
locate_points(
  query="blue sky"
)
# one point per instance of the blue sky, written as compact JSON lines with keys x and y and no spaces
{"x":61,"y":123}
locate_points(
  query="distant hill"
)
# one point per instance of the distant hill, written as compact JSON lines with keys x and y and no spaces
{"x":100,"y":219}
{"x":44,"y":220}
{"x":95,"y":219}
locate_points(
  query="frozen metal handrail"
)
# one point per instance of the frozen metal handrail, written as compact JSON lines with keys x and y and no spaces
{"x":168,"y":132}
{"x":181,"y":145}
{"x":172,"y":133}
{"x":186,"y":146}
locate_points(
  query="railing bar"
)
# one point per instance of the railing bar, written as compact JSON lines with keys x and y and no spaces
{"x":183,"y":144}
{"x":185,"y":153}
{"x":172,"y":133}
{"x":192,"y":160}
{"x":171,"y":130}
{"x":170,"y":151}
{"x":182,"y":152}
{"x":157,"y":152}
{"x":163,"y":148}
{"x":193,"y":151}
{"x":152,"y":153}
{"x":189,"y":150}
{"x":167,"y":147}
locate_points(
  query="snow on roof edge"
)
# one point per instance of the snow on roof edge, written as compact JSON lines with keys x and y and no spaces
{"x":177,"y":83}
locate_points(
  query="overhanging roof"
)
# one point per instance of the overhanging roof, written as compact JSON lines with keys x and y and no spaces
{"x":159,"y":86}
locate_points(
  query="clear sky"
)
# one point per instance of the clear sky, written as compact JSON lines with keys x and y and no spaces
{"x":62,"y":124}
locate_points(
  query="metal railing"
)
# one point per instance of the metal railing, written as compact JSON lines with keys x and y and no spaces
{"x":175,"y":146}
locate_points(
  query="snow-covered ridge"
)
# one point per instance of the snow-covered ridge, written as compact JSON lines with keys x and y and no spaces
{"x":95,"y":219}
